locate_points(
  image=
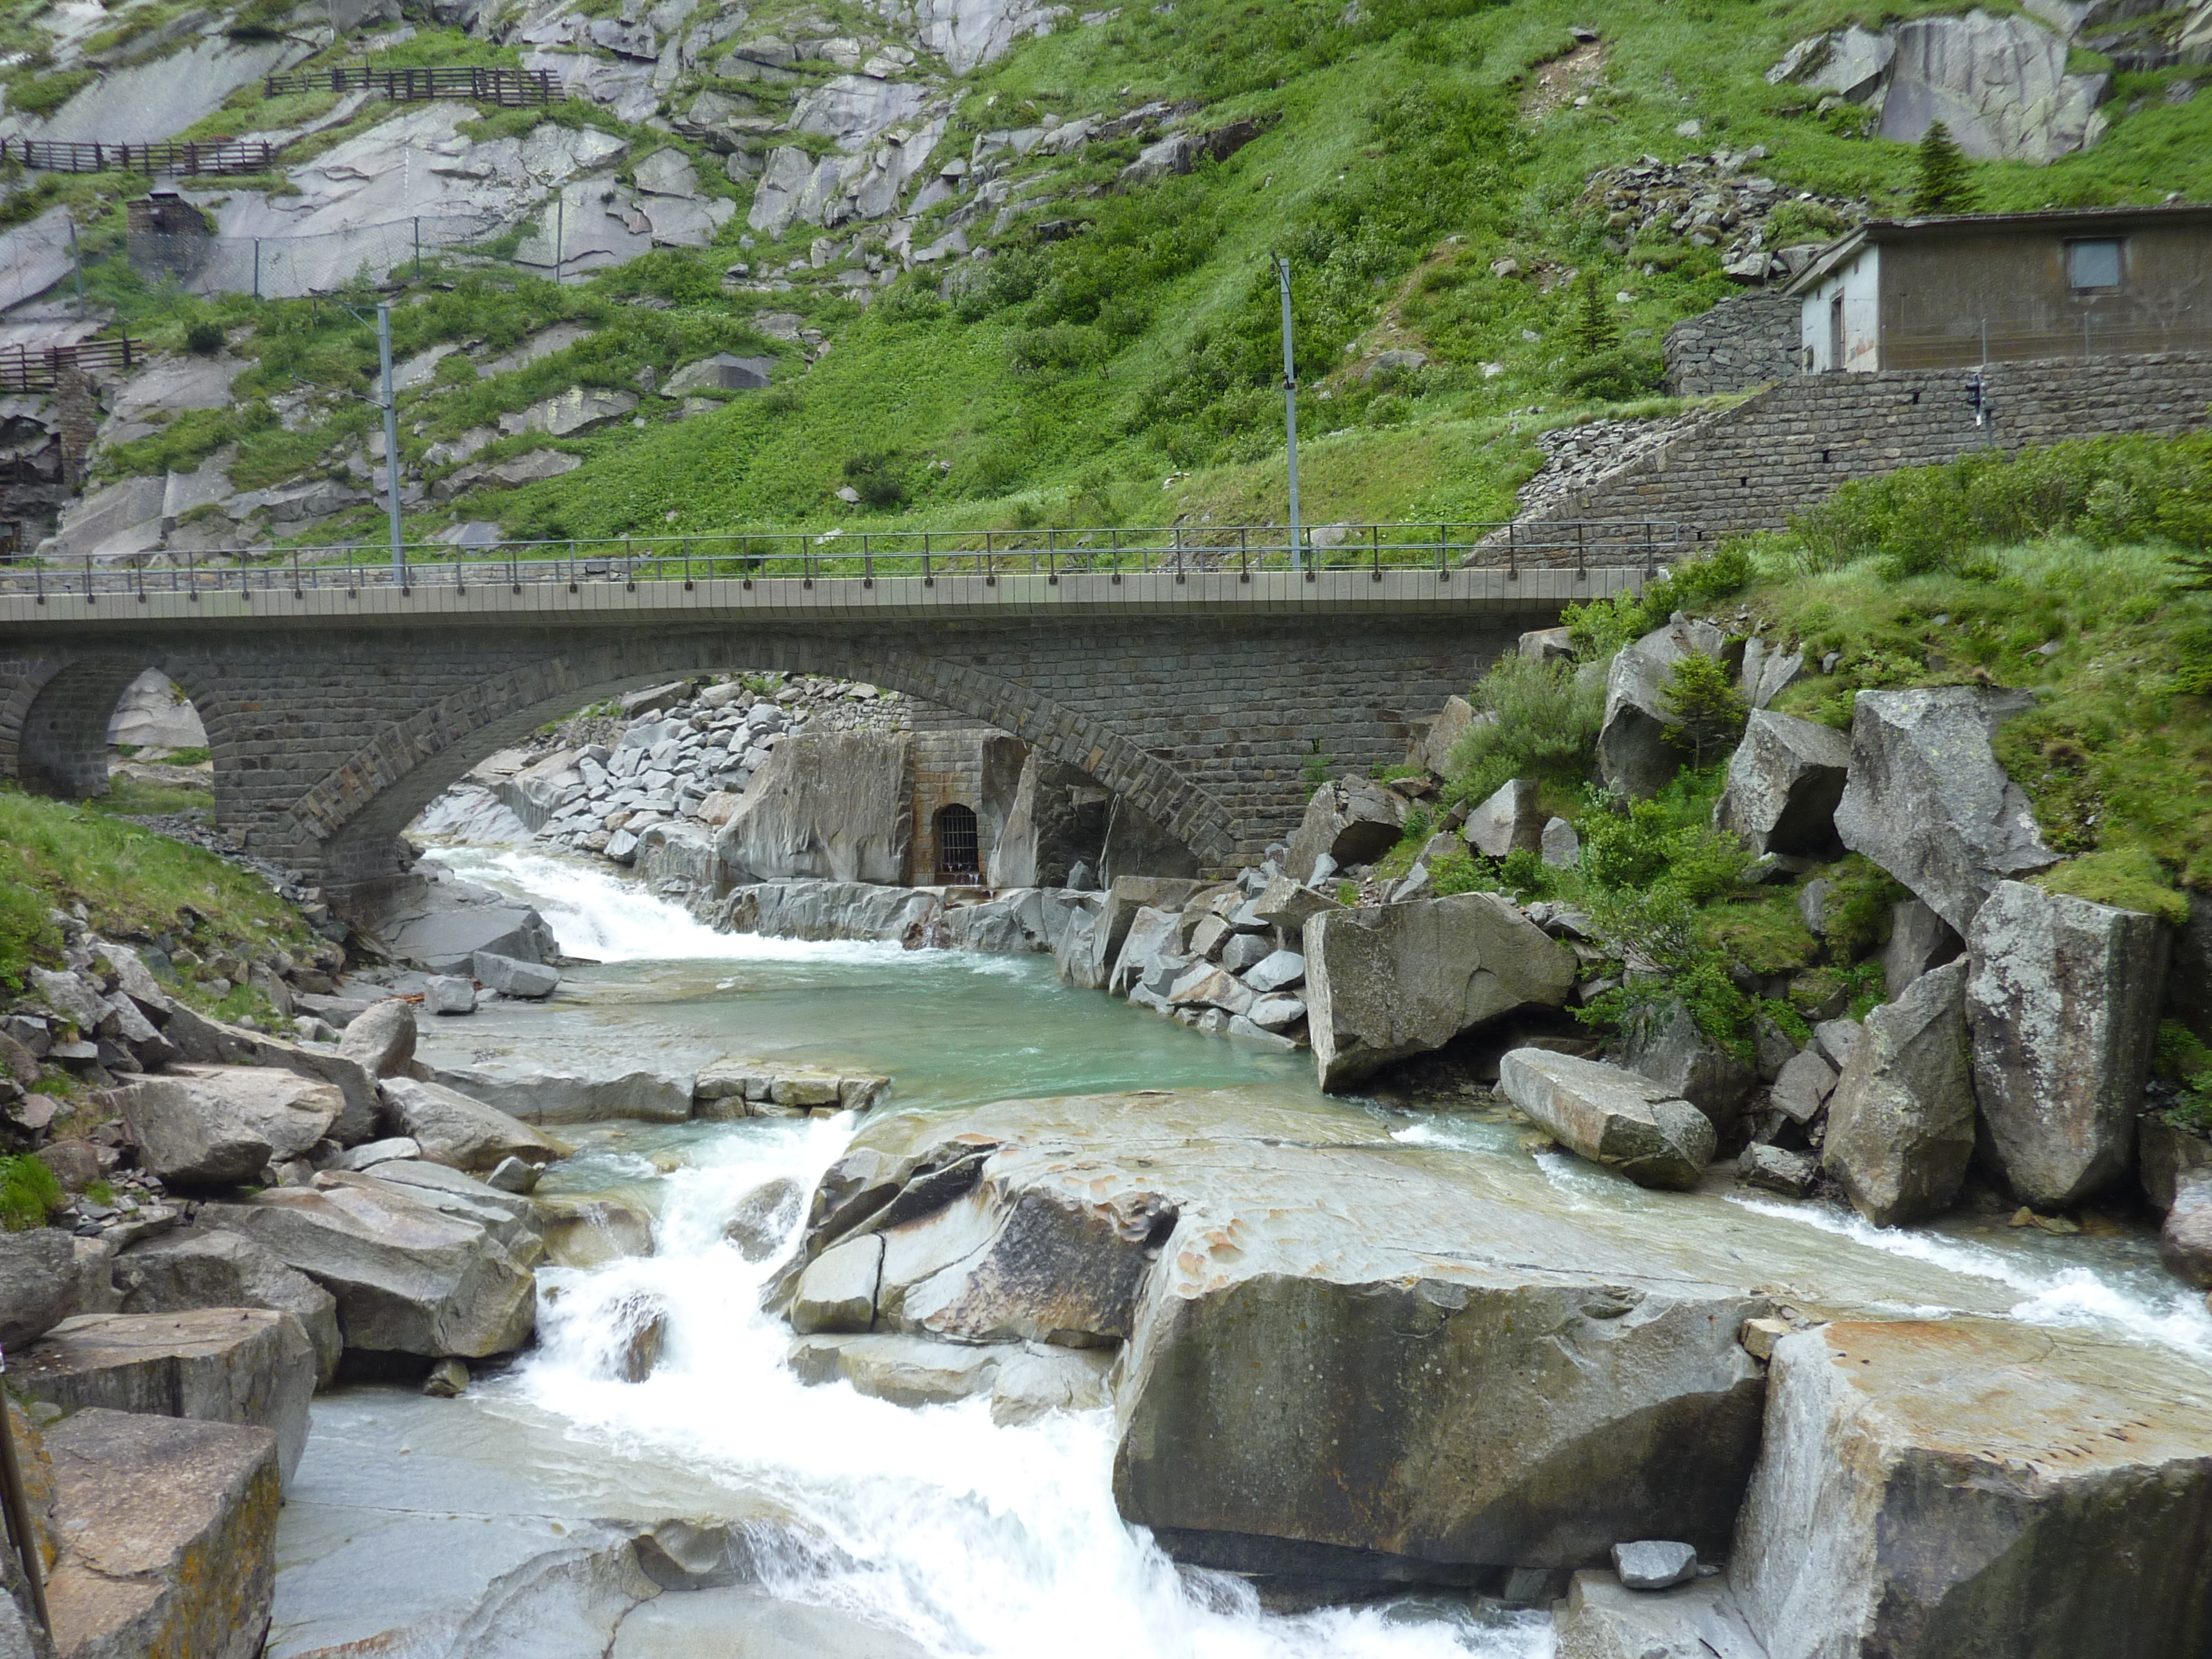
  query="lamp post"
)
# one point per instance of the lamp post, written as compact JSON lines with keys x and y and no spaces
{"x":1290,"y":407}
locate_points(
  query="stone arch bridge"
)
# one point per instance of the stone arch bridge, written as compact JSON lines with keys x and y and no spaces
{"x":335,"y":714}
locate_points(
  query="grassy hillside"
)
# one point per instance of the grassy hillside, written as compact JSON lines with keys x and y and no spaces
{"x":1404,"y":147}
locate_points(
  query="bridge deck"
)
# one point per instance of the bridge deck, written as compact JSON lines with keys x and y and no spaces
{"x":482,"y":595}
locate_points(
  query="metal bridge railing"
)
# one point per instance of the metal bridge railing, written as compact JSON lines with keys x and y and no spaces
{"x":864,"y":557}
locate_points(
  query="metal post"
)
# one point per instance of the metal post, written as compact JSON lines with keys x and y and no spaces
{"x":77,"y":264}
{"x":418,"y":248}
{"x":257,"y":267}
{"x":391,"y":436}
{"x":560,"y":231}
{"x":19,"y":1516}
{"x":1289,"y":405}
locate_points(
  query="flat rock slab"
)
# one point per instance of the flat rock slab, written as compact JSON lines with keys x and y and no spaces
{"x":1588,"y":1385}
{"x":246,"y":1366}
{"x":193,"y":1267}
{"x":1602,"y":1618}
{"x":464,"y":1134}
{"x":1612,"y":1116}
{"x":544,"y":1095}
{"x":170,"y":1529}
{"x":747,"y":1621}
{"x":416,"y":1526}
{"x":907,"y":1370}
{"x":411,"y":1275}
{"x":216,"y":1125}
{"x":2014,"y":1489}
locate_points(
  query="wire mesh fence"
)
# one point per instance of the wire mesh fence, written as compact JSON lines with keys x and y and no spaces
{"x":1866,"y":332}
{"x":865,"y":558}
{"x":293,"y":267}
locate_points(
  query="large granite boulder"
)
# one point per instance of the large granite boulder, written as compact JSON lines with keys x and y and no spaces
{"x":1125,"y":897}
{"x":2184,"y":1242}
{"x":1352,"y":821}
{"x":1431,"y":751}
{"x":171,"y":1530}
{"x":1784,"y":782}
{"x":1927,"y":801}
{"x":1573,"y":1391}
{"x":1289,"y":905}
{"x":829,"y":804}
{"x":194,"y":1268}
{"x":38,"y":1283}
{"x":411,"y":1274}
{"x":2061,"y":1000}
{"x":521,"y":1088}
{"x":1393,"y":981}
{"x":1634,"y":753}
{"x":221,"y":1125}
{"x":1611,"y":1116}
{"x":1919,"y":940}
{"x":216,"y":1365}
{"x":440,"y":925}
{"x":2008,"y":1489}
{"x":206,"y":1042}
{"x":1509,"y":821}
{"x":1665,"y":1042}
{"x":381,"y":1038}
{"x":459,"y":1132}
{"x":1901,"y":1118}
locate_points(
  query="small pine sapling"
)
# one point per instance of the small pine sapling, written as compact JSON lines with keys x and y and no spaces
{"x":1596,"y":328}
{"x":1941,"y":184}
{"x":1709,"y":712}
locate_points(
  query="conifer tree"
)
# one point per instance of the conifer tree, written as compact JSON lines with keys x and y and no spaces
{"x":1941,"y":184}
{"x":1596,"y":329}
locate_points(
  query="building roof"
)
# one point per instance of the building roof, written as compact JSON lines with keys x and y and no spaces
{"x":2064,"y":222}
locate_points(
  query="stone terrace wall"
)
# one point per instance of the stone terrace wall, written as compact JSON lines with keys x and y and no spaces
{"x":1739,"y":343}
{"x":1747,"y":468}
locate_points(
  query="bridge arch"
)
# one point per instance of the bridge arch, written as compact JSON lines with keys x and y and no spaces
{"x":54,"y":722}
{"x":347,"y":825}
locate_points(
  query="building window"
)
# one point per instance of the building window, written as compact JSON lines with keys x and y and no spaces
{"x":959,"y":854}
{"x":2092,"y":265}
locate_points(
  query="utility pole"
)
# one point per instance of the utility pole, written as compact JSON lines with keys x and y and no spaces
{"x":391,"y":437}
{"x":1291,"y":409}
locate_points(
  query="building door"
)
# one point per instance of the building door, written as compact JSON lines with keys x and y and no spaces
{"x":959,"y":852}
{"x":1836,"y":329}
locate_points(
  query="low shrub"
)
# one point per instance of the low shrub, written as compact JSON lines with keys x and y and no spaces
{"x":28,"y":1194}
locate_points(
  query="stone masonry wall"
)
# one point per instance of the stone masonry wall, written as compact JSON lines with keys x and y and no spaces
{"x":1740,"y":342}
{"x":327,"y":743}
{"x":1748,"y":468}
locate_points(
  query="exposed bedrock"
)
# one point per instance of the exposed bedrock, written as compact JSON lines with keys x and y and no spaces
{"x":1339,"y":1357}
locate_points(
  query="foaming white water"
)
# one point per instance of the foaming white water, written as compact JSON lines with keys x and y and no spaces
{"x":2069,"y":1296}
{"x":973,"y":1539}
{"x":595,"y":912}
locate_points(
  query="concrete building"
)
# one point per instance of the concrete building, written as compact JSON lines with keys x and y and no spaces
{"x":2008,"y":287}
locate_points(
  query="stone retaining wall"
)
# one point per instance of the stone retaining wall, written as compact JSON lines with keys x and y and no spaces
{"x":1748,"y":468}
{"x":1739,"y":343}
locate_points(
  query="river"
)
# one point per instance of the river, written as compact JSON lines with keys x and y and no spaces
{"x":929,"y":1531}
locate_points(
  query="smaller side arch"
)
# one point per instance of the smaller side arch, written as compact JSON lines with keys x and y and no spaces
{"x":53,"y":731}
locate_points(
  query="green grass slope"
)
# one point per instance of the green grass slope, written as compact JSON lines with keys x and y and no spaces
{"x":1129,"y":371}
